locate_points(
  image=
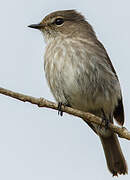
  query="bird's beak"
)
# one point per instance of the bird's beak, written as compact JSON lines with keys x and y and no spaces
{"x":36,"y":26}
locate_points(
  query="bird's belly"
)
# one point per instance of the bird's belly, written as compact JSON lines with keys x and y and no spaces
{"x":79,"y":82}
{"x":76,"y":89}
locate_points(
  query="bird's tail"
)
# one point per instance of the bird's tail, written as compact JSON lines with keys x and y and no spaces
{"x":114,"y":157}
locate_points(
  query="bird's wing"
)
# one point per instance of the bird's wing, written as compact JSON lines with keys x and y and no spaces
{"x":119,"y":109}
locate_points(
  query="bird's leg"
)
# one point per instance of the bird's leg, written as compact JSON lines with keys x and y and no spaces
{"x":104,"y":119}
{"x":60,"y":104}
{"x":60,"y":112}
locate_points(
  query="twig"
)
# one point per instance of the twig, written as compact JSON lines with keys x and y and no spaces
{"x":41,"y":102}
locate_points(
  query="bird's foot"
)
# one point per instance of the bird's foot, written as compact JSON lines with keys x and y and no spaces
{"x":60,"y":112}
{"x":60,"y":105}
{"x":104,"y":120}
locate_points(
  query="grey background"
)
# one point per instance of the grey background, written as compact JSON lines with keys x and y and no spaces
{"x":36,"y":143}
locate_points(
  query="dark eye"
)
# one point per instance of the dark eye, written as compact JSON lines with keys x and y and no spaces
{"x":59,"y":21}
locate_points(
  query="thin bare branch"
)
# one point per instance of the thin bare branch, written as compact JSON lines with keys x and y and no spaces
{"x":41,"y":102}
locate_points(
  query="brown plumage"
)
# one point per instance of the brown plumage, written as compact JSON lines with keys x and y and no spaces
{"x":80,"y":73}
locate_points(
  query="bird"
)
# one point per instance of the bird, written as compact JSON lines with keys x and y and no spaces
{"x":80,"y":75}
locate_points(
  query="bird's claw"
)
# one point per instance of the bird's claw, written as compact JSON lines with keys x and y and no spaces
{"x":60,"y":112}
{"x":105,"y":120}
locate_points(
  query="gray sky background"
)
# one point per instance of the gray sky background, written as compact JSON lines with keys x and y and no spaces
{"x":35,"y":143}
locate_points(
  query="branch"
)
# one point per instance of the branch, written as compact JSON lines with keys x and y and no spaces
{"x":41,"y":102}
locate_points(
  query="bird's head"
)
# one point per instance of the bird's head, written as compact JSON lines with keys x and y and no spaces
{"x":63,"y":23}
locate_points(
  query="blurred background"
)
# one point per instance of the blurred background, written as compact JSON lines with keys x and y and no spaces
{"x":36,"y":143}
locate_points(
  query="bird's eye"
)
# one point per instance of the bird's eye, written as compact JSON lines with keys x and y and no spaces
{"x":59,"y":21}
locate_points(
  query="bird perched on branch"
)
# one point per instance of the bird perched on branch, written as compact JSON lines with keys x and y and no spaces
{"x":80,"y":75}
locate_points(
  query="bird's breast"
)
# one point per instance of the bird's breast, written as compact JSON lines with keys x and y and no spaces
{"x":75,"y":79}
{"x":60,"y":71}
